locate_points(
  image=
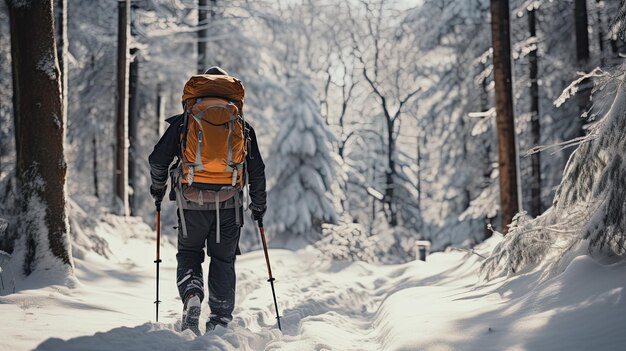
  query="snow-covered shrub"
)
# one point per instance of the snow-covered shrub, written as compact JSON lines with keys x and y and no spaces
{"x":348,"y":242}
{"x":589,"y":203}
{"x":354,"y":242}
{"x":83,"y":224}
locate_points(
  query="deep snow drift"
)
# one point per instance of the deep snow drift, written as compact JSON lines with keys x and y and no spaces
{"x":326,"y":305}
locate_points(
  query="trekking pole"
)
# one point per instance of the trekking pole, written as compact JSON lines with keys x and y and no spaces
{"x":269,"y":270}
{"x":158,"y":257}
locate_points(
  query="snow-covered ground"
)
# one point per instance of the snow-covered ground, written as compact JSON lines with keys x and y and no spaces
{"x":437,"y":305}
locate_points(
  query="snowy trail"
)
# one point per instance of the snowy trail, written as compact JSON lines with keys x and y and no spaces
{"x":325,"y":305}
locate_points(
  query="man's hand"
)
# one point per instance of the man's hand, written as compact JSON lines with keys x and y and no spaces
{"x":258,"y":211}
{"x":158,"y":194}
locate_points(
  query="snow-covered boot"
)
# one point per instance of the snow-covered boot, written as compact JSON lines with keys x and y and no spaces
{"x":191,"y":314}
{"x":213,"y":322}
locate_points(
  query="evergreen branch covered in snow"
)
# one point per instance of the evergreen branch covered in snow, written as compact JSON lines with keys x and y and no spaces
{"x":573,"y":87}
{"x":588,"y":205}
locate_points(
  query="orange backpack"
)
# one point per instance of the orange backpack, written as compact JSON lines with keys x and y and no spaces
{"x":213,"y":140}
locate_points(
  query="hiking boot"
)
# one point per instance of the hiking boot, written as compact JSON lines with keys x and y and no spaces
{"x":212,"y":323}
{"x":191,"y":314}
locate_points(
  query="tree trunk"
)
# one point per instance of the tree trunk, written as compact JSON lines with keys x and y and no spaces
{"x":60,"y":24}
{"x":582,"y":58}
{"x":505,"y":125}
{"x":121,"y":152}
{"x":535,"y":181}
{"x":419,"y":172}
{"x":133,"y":120}
{"x":95,"y":165}
{"x":582,"y":32}
{"x":202,"y":35}
{"x":160,"y":108}
{"x":488,"y":165}
{"x":391,"y":175}
{"x":40,"y":162}
{"x":600,"y":26}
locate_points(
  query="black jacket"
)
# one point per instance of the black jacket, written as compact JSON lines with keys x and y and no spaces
{"x":168,"y":148}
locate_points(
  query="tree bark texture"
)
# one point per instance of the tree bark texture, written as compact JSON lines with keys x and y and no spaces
{"x":39,"y":133}
{"x":535,"y":128}
{"x":391,"y":174}
{"x":505,"y":126}
{"x":121,"y":152}
{"x":133,"y":120}
{"x":60,"y":24}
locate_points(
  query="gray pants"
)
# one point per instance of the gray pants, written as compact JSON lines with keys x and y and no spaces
{"x":201,"y":231}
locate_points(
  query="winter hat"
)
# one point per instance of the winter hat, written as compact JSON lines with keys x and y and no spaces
{"x":216,"y":70}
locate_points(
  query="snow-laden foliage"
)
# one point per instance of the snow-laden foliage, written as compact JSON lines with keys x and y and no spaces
{"x":354,"y":242}
{"x":457,"y":152}
{"x":349,"y":242}
{"x":589,"y":203}
{"x":557,"y":67}
{"x":301,"y":167}
{"x":91,"y":111}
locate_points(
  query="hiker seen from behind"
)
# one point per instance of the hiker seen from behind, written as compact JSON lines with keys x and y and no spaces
{"x":210,"y":153}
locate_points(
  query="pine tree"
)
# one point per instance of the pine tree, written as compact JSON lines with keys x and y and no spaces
{"x":301,"y":166}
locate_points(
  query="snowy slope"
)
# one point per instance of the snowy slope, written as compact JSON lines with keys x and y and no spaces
{"x":437,"y":305}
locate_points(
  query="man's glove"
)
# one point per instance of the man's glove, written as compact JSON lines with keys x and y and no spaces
{"x":158,"y":194}
{"x":258,"y":211}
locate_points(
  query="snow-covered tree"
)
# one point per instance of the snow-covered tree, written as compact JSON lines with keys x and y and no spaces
{"x":42,"y":232}
{"x":392,"y":80}
{"x":301,"y":166}
{"x":588,"y":208}
{"x":91,"y":93}
{"x":455,"y":121}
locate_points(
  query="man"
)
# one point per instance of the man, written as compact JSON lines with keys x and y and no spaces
{"x":209,"y":194}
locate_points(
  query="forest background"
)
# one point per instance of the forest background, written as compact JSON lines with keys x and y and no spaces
{"x":376,"y":119}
